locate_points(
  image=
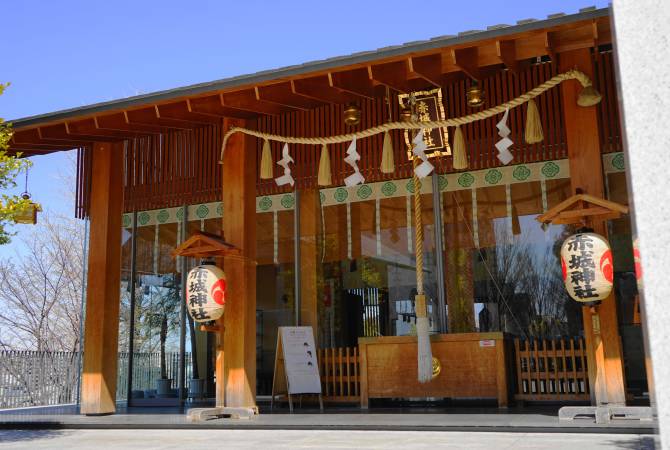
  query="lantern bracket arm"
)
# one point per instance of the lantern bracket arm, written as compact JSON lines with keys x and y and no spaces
{"x":580,"y":206}
{"x":205,"y":245}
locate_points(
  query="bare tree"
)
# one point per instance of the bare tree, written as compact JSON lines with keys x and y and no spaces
{"x":40,"y":307}
{"x":40,"y":290}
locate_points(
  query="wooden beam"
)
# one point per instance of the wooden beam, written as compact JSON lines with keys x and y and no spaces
{"x":319,"y":88}
{"x":282,"y":94}
{"x":212,"y":105}
{"x":605,"y":358}
{"x":356,"y":82}
{"x":236,"y":373}
{"x":88,"y":127}
{"x":101,"y":330}
{"x":59,"y":132}
{"x":151,"y":116}
{"x":246,"y":100}
{"x":506,"y":51}
{"x":309,"y":231}
{"x":467,"y":59}
{"x":32,"y":137}
{"x":429,"y":68}
{"x":393,"y":75}
{"x":180,"y":111}
{"x":119,"y":122}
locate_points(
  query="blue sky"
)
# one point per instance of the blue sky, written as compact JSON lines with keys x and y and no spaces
{"x":67,"y":53}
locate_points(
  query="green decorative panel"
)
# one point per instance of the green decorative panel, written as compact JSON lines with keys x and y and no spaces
{"x":389,"y":188}
{"x":162,"y":216}
{"x":550,"y":169}
{"x":202,"y":211}
{"x":364,"y":191}
{"x":521,"y":173}
{"x":340,"y":195}
{"x":264,"y":204}
{"x":466,"y":179}
{"x":288,"y":201}
{"x":493,"y":176}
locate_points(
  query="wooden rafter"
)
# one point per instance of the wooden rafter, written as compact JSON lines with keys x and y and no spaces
{"x":282,"y":94}
{"x":393,"y":75}
{"x":356,"y":82}
{"x":180,"y":111}
{"x":213,"y":106}
{"x":506,"y":51}
{"x":428,"y":67}
{"x":319,"y":88}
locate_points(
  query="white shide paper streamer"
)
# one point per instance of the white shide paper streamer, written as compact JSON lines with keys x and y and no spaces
{"x":504,"y":155}
{"x":286,"y":159}
{"x":419,"y":150}
{"x":352,"y":159}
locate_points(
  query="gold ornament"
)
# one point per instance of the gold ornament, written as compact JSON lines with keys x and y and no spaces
{"x":475,"y":96}
{"x":352,"y":115}
{"x":437,"y":367}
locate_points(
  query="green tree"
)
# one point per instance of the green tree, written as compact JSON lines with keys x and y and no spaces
{"x":10,"y":167}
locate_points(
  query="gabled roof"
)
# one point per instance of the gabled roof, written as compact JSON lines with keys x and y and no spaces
{"x":305,"y":86}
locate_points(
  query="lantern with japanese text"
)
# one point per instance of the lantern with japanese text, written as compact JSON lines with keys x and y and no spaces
{"x":206,"y":292}
{"x":588,"y":270}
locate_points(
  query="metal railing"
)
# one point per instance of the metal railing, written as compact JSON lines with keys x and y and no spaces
{"x":32,"y":378}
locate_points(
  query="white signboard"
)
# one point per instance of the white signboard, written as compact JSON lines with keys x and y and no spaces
{"x":299,"y":351}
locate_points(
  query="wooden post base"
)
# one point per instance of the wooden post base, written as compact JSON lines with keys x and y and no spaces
{"x":225,"y":412}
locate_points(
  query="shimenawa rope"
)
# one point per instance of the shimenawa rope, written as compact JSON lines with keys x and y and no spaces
{"x":416,"y":125}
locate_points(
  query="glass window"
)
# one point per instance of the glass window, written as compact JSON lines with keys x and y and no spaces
{"x":502,"y":268}
{"x":275,"y":289}
{"x":625,"y":290}
{"x":368,"y":270}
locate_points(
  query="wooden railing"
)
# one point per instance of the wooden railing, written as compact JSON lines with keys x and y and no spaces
{"x":551,"y":369}
{"x":340,"y":374}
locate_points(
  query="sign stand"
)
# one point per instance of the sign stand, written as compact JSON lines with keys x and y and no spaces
{"x":296,"y":368}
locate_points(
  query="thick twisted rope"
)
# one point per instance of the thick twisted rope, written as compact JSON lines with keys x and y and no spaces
{"x":415,"y":125}
{"x":418,"y":226}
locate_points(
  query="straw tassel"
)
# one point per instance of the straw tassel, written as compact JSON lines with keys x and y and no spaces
{"x":325,"y":177}
{"x":266,"y":162}
{"x":534,"y":132}
{"x":388,"y":163}
{"x":460,"y":156}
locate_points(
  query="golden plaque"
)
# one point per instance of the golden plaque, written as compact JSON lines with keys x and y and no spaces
{"x":428,"y":106}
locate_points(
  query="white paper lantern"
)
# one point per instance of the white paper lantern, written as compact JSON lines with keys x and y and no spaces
{"x":205,"y":293}
{"x":588,"y":269}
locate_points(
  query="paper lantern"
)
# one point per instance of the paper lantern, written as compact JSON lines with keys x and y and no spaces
{"x":205,"y":293}
{"x":588,"y":270}
{"x":638,"y":262}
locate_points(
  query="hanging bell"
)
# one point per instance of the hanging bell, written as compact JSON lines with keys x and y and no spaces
{"x":475,"y":95}
{"x":27,"y":215}
{"x":352,"y":115}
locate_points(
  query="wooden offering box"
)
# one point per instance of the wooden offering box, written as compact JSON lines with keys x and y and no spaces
{"x":473,"y":365}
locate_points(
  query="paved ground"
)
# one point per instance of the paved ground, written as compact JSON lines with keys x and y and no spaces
{"x":526,"y":420}
{"x":318,"y":439}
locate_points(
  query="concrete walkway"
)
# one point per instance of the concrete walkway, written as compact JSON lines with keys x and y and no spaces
{"x":314,"y":439}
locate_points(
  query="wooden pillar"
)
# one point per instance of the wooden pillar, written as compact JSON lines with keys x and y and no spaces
{"x":309,"y":263}
{"x":605,"y":358}
{"x":236,"y":373}
{"x":101,"y":330}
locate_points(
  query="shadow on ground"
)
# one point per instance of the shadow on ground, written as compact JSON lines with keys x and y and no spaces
{"x":13,"y":436}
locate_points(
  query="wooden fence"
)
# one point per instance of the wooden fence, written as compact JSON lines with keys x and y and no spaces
{"x":340,"y":374}
{"x":31,"y":378}
{"x":551,"y":370}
